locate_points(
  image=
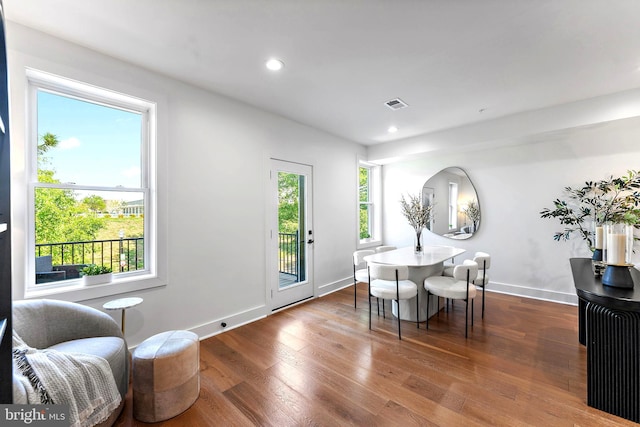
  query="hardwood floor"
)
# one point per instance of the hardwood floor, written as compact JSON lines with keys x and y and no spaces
{"x":318,"y":364}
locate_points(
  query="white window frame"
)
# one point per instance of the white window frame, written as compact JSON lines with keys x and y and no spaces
{"x":453,"y":206}
{"x":375,"y":210}
{"x":73,"y":290}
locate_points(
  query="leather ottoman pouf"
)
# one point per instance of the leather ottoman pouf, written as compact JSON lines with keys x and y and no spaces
{"x":166,"y":375}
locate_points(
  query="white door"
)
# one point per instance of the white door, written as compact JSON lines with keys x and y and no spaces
{"x":291,"y":233}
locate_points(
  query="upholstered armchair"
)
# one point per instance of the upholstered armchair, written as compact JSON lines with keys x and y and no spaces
{"x":72,"y":328}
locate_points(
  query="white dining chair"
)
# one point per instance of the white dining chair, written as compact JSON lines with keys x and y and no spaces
{"x":484,"y":263}
{"x":360,"y":272}
{"x":392,"y":282}
{"x":460,"y":286}
{"x":483,"y":260}
{"x":448,"y":267}
{"x":380,"y":249}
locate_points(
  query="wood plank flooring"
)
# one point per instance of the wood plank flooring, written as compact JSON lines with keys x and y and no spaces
{"x":318,"y":364}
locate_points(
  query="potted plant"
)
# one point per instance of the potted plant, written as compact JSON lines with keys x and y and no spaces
{"x":613,"y":200}
{"x":418,"y":215}
{"x":94,"y":274}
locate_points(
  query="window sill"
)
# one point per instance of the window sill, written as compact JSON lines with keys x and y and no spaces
{"x":368,"y":243}
{"x":75,"y":291}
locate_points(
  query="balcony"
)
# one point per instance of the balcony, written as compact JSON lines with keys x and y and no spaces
{"x":64,"y":261}
{"x":290,"y":261}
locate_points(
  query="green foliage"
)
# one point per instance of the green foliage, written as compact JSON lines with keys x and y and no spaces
{"x":615,"y":200}
{"x":364,"y":222}
{"x":288,"y":202}
{"x":60,"y":218}
{"x":94,"y":270}
{"x":363,"y":184}
{"x":94,"y":203}
{"x":47,"y":141}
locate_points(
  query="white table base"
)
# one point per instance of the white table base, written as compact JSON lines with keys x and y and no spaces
{"x":408,"y":307}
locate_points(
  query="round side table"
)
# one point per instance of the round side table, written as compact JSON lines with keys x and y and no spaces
{"x":122,"y":304}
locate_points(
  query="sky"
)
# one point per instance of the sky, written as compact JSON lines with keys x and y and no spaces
{"x":98,"y":145}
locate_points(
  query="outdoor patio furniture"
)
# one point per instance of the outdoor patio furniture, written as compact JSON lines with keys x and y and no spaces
{"x":47,"y":272}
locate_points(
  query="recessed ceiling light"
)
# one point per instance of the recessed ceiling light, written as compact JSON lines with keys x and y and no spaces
{"x":274,"y":64}
{"x":392,"y":129}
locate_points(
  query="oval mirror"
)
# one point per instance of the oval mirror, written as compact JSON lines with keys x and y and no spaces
{"x":456,"y":210}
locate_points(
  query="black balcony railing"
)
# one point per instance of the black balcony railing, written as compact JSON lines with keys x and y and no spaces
{"x":118,"y":254}
{"x":288,"y":254}
{"x":128,"y":254}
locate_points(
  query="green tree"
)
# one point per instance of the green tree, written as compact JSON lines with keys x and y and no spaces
{"x":94,"y":203}
{"x":47,"y":141}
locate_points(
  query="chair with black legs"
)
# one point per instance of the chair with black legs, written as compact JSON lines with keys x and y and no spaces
{"x":360,"y":273}
{"x":460,"y":286}
{"x":391,"y":282}
{"x":484,"y":263}
{"x":380,"y":249}
{"x":483,"y":260}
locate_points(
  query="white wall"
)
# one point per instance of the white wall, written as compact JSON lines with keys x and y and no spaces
{"x":213,"y":162}
{"x":515,"y":181}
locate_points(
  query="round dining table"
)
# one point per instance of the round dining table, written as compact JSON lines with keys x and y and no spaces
{"x":429,"y":262}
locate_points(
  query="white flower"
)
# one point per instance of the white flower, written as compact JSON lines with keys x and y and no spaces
{"x":416,"y":213}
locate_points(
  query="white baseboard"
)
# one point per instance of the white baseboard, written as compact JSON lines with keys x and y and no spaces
{"x":334,"y":286}
{"x":535,"y":293}
{"x":215,"y":327}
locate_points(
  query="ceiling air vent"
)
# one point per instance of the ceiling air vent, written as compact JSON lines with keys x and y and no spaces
{"x":396,"y":104}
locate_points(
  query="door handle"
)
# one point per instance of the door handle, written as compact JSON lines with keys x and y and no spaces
{"x":310,"y":241}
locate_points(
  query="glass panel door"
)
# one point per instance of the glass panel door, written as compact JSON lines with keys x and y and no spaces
{"x":291,"y":233}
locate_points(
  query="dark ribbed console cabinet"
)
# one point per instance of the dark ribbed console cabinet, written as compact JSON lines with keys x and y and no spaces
{"x":609,"y":326}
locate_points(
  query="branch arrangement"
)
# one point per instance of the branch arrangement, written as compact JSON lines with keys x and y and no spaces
{"x":614,"y":200}
{"x":472,"y":211}
{"x":416,"y":213}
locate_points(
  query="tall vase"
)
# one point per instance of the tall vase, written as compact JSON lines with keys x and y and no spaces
{"x":618,"y":247}
{"x":619,"y":244}
{"x":418,"y":242}
{"x":598,"y":250}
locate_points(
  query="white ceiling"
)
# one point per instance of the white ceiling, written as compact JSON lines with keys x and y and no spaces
{"x":453,"y":61}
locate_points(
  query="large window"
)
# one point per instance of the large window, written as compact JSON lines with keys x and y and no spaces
{"x":369,"y":201}
{"x":90,"y":181}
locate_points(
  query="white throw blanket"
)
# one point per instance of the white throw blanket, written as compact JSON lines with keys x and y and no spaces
{"x":82,"y":381}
